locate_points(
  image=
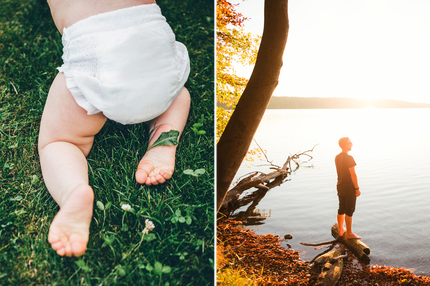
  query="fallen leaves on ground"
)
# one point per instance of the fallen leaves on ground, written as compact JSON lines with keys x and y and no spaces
{"x":264,"y":257}
{"x":261,"y":255}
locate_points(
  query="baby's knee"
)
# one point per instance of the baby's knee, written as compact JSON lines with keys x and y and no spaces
{"x":83,"y":143}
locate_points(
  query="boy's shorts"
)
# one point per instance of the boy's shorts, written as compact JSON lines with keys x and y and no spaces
{"x":125,"y":64}
{"x":347,"y":199}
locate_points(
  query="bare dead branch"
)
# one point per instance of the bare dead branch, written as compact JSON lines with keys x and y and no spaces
{"x":261,"y":186}
{"x":320,"y":243}
{"x":262,"y":151}
{"x":243,"y":177}
{"x":275,"y":168}
{"x":260,"y":180}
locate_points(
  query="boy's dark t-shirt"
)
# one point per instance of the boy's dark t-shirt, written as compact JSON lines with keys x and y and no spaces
{"x":345,"y":186}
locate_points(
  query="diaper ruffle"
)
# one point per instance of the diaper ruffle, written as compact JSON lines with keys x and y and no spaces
{"x":77,"y":94}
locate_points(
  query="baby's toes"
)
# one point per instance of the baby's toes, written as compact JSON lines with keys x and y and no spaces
{"x":143,"y":171}
{"x":53,"y":237}
{"x":66,"y":250}
{"x":57,"y":245}
{"x":141,"y":176}
{"x":78,"y":245}
{"x":160,"y":178}
{"x":152,"y":180}
{"x":61,"y":251}
{"x":166,"y":174}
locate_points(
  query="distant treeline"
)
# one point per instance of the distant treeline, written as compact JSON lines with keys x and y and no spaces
{"x":337,"y":102}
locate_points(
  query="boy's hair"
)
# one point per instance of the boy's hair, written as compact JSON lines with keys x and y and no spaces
{"x":343,"y":141}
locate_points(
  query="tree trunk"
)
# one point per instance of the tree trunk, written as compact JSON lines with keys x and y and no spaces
{"x":356,"y":246}
{"x":240,"y":130}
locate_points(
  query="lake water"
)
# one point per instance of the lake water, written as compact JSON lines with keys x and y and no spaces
{"x":392,"y":151}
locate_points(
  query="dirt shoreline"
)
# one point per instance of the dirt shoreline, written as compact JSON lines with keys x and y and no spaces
{"x":264,"y":257}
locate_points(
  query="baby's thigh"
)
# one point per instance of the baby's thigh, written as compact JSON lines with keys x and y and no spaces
{"x":64,"y":120}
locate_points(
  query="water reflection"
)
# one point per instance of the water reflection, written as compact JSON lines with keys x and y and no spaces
{"x":251,"y":216}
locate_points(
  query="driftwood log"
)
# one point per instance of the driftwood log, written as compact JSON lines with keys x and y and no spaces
{"x":356,"y":246}
{"x":327,"y":266}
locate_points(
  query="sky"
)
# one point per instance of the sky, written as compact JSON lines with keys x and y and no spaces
{"x":351,"y":48}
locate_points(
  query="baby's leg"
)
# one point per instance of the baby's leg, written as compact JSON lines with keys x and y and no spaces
{"x":158,"y":163}
{"x":65,"y":139}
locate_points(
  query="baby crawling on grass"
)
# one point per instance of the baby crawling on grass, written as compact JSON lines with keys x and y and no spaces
{"x":121,"y":62}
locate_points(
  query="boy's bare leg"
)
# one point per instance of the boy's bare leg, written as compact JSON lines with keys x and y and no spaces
{"x":349,"y":233}
{"x":158,"y":163}
{"x":65,"y":139}
{"x":340,"y":221}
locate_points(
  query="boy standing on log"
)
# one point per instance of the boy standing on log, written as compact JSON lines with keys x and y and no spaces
{"x":347,"y":188}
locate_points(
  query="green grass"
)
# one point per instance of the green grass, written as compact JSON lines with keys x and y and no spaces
{"x":180,"y":250}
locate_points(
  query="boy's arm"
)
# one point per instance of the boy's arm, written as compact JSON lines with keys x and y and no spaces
{"x":354,"y":181}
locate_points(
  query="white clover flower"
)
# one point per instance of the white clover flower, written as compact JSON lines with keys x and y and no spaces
{"x":126,"y":207}
{"x":148,"y":226}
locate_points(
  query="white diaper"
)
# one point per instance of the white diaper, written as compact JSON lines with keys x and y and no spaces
{"x":124,"y":63}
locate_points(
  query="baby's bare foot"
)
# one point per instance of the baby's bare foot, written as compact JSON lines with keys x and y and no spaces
{"x":69,"y":231}
{"x":158,"y":163}
{"x":352,"y":236}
